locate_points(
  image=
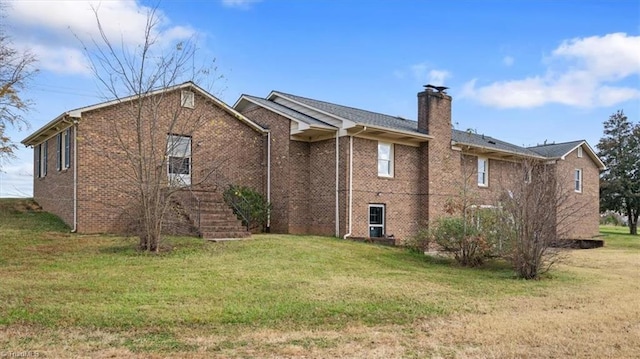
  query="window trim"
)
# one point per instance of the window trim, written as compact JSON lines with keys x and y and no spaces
{"x":485,"y":182}
{"x":179,"y":179}
{"x":187,"y":99}
{"x":67,"y":148}
{"x":42,"y":159}
{"x":390,"y":161}
{"x":528,"y":176}
{"x":577,"y":180}
{"x":384,"y":222}
{"x":62,"y":150}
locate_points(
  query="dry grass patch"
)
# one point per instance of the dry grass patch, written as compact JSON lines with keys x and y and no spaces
{"x":79,"y":296}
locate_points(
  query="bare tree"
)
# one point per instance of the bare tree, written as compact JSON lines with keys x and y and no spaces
{"x":537,"y":210}
{"x":149,"y":147}
{"x":16,"y":68}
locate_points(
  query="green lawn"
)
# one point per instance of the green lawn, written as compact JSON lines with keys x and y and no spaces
{"x":275,"y":295}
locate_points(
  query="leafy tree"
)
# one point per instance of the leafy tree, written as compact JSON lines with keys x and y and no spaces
{"x":619,"y":149}
{"x":16,"y":67}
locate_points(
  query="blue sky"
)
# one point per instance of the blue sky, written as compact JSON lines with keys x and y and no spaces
{"x":520,"y":71}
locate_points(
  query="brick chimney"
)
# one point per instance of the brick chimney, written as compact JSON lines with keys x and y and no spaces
{"x":440,"y":165}
{"x":434,"y":112}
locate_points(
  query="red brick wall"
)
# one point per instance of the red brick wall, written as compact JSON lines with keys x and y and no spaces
{"x":299,"y":188}
{"x":280,"y":168}
{"x":581,"y":210}
{"x":224,"y":150}
{"x":54,"y":192}
{"x":399,"y":194}
{"x":322,"y":187}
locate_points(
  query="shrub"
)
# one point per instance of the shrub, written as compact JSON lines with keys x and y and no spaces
{"x":418,"y":243}
{"x":463,"y":238}
{"x":249,"y":205}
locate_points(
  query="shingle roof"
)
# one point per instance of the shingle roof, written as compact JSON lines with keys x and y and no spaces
{"x":397,"y":123}
{"x":555,"y":150}
{"x":287,"y":111}
{"x":357,"y":115}
{"x":474,"y":139}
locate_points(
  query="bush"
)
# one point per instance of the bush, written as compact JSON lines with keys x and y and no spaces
{"x":611,"y":218}
{"x":249,"y":205}
{"x":418,"y":243}
{"x":463,"y":238}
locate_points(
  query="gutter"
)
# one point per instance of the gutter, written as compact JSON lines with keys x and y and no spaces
{"x":337,"y":183}
{"x":75,"y":176}
{"x":351,"y":182}
{"x":269,"y":181}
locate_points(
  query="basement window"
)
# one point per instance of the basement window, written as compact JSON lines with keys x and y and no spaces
{"x":376,"y":220}
{"x":187,"y":99}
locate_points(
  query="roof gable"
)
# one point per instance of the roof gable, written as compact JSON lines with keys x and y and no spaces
{"x":560,"y":151}
{"x":70,"y":116}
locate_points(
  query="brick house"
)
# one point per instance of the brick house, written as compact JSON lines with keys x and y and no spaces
{"x":326,"y":169}
{"x":81,"y":172}
{"x":347,"y":172}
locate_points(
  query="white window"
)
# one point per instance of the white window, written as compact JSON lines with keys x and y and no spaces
{"x":578,"y":180}
{"x":580,"y":152}
{"x":527,"y":176}
{"x":385,"y":159}
{"x":41,"y":155}
{"x":63,"y":149}
{"x":187,"y":99}
{"x":376,"y":220}
{"x":179,"y":160}
{"x":483,"y":171}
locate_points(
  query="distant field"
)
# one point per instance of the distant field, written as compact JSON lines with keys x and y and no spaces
{"x":66,"y":295}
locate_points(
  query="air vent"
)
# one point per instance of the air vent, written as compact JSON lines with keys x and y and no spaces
{"x":187,"y":99}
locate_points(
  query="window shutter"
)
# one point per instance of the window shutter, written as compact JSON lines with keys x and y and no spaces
{"x":44,"y":158}
{"x":37,"y":160}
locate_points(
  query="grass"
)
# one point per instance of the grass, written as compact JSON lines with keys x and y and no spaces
{"x":67,"y":295}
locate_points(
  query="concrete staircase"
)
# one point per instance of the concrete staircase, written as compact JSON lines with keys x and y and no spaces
{"x":217,"y":220}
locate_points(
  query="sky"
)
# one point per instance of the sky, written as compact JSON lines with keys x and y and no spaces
{"x":524,"y":72}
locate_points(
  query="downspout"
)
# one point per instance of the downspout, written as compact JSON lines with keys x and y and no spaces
{"x":351,"y":182}
{"x":75,"y":176}
{"x":337,"y":183}
{"x":269,"y":181}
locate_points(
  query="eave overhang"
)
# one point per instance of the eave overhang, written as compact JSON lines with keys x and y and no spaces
{"x":493,"y":152}
{"x":50,"y":129}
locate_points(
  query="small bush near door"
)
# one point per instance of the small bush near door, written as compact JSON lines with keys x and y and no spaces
{"x":249,"y":205}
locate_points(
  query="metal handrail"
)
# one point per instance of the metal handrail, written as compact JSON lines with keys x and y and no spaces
{"x":242,"y":209}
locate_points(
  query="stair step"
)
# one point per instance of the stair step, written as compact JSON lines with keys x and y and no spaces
{"x":237,"y":234}
{"x":216,"y":218}
{"x":222,"y":228}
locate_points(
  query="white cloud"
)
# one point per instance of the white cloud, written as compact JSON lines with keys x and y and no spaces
{"x":242,"y":4}
{"x":16,"y":180}
{"x":508,"y":60}
{"x":437,"y":77}
{"x":582,"y":72}
{"x":426,"y":74}
{"x":59,"y":25}
{"x":62,"y":60}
